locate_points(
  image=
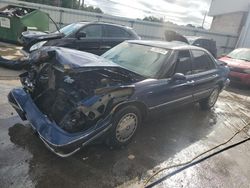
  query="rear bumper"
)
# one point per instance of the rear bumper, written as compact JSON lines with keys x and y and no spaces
{"x":57,"y":140}
{"x":240,"y":77}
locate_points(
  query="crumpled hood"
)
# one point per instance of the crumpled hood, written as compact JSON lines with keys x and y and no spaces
{"x":33,"y":37}
{"x":236,"y":63}
{"x":70,"y":59}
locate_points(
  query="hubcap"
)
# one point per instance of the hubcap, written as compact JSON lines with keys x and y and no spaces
{"x":213,"y":97}
{"x":126,"y":127}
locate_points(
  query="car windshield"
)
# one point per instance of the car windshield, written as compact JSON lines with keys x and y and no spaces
{"x":144,"y":60}
{"x":242,"y":54}
{"x":71,"y":28}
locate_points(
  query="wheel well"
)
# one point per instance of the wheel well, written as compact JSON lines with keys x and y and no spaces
{"x":220,"y":84}
{"x":140,"y":106}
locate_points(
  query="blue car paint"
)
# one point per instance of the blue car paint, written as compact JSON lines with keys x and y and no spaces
{"x":152,"y":93}
{"x":49,"y":131}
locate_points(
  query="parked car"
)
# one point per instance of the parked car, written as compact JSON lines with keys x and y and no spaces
{"x":239,"y":63}
{"x":93,"y":37}
{"x":203,"y":42}
{"x":71,"y":98}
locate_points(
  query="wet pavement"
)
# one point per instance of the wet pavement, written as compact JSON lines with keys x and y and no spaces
{"x":165,"y":138}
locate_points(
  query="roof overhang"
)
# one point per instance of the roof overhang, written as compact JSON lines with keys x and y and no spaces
{"x":220,"y":7}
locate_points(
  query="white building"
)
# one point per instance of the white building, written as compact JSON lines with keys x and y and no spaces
{"x":233,"y":17}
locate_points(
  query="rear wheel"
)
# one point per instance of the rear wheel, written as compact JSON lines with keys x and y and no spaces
{"x":125,"y":124}
{"x":209,"y":102}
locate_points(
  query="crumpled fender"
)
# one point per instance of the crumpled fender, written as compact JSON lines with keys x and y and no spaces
{"x":49,"y":131}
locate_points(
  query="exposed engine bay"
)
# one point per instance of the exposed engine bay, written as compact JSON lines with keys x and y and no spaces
{"x":75,"y":100}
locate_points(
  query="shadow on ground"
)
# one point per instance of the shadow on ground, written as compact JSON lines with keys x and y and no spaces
{"x":161,"y":136}
{"x":239,"y":89}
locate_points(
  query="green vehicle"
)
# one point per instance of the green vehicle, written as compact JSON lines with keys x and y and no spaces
{"x":14,"y":20}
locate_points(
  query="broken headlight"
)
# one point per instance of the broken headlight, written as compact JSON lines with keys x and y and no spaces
{"x":37,"y":46}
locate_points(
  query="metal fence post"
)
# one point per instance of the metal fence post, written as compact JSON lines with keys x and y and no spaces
{"x":98,"y":18}
{"x":60,"y":18}
{"x":132,"y":23}
{"x":227,"y":42}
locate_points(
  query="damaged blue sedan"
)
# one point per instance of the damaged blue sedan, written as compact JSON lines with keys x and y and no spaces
{"x":71,"y":98}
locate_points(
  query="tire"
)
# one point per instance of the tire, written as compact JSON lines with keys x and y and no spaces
{"x":122,"y":132}
{"x":208,"y":103}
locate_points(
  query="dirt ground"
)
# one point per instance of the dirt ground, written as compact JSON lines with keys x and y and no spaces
{"x":165,"y":138}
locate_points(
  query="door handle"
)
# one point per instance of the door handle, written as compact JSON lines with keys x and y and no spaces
{"x":191,"y":82}
{"x":105,"y":47}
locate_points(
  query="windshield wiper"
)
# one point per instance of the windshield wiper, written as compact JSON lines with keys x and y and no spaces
{"x":244,"y":59}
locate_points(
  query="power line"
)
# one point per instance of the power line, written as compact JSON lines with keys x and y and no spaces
{"x":166,"y":16}
{"x":140,"y":9}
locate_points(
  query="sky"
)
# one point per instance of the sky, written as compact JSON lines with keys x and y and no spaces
{"x":181,"y":12}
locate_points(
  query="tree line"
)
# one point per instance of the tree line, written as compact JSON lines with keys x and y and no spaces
{"x":74,"y":4}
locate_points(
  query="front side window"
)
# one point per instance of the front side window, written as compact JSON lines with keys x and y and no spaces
{"x":114,"y":32}
{"x":70,"y":29}
{"x":198,"y":42}
{"x":92,"y":31}
{"x":201,"y":62}
{"x":183,"y":63}
{"x":144,"y":60}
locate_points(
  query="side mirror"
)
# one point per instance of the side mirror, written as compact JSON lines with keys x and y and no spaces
{"x":81,"y":35}
{"x":179,"y":76}
{"x":221,"y":63}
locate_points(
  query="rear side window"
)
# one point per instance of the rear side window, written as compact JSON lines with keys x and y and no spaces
{"x":183,"y":63}
{"x":115,"y":32}
{"x":92,"y":31}
{"x":201,"y":62}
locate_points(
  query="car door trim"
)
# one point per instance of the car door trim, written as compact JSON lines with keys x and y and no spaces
{"x":200,"y":93}
{"x":171,"y":102}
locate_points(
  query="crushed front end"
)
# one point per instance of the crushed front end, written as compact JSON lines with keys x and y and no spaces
{"x":69,"y":105}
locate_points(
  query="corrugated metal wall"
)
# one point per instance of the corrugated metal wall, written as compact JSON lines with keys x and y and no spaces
{"x":147,"y":30}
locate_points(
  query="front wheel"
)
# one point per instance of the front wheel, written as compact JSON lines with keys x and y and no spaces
{"x":209,"y":102}
{"x":125,"y":124}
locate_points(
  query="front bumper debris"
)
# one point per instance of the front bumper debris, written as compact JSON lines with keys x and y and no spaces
{"x":57,"y":140}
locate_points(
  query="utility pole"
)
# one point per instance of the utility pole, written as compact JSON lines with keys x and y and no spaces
{"x":203,"y":22}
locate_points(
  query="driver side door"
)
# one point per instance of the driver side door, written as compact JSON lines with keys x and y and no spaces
{"x":174,"y":92}
{"x":92,"y":41}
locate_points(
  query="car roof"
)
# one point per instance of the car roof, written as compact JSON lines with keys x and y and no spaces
{"x":175,"y":45}
{"x":105,"y":23}
{"x":197,"y":37}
